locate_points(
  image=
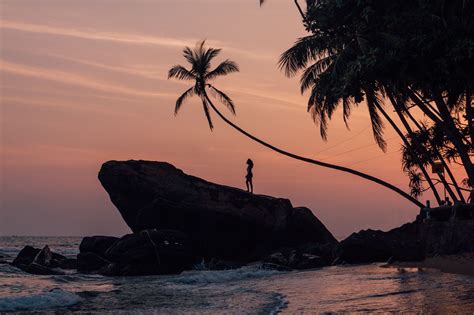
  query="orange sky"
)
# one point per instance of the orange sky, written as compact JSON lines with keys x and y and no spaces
{"x":83,"y":82}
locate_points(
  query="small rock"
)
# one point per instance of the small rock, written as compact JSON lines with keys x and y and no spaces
{"x":44,"y":257}
{"x":26,"y":256}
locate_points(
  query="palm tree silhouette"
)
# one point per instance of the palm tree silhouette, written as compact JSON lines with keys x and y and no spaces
{"x":200,"y":60}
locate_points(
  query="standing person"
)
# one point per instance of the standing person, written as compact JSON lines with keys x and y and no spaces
{"x":249,"y":176}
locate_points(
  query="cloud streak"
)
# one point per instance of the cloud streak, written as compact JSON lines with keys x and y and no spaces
{"x":75,"y":79}
{"x":123,"y":38}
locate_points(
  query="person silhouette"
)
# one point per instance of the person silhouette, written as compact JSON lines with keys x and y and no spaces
{"x":249,"y":176}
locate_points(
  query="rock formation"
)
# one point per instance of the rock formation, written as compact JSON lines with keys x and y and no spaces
{"x":448,"y":230}
{"x":222,"y":222}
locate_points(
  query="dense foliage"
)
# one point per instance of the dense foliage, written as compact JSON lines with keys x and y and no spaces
{"x":417,"y":53}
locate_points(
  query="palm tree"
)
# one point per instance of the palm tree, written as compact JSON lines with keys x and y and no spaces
{"x":200,"y":60}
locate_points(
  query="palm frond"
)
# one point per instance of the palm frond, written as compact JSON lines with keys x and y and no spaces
{"x":223,"y":98}
{"x":311,"y":73}
{"x":377,"y":124}
{"x":189,"y":55}
{"x":188,"y":93}
{"x":210,"y":54}
{"x":224,"y":68}
{"x":303,"y":51}
{"x":346,"y":110}
{"x":180,"y":73}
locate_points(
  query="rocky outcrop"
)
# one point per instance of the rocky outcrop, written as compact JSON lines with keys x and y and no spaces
{"x":148,"y":252}
{"x":444,"y":233}
{"x":41,"y":261}
{"x":222,"y":222}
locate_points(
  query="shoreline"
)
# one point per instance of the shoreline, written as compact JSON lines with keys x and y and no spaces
{"x":462,"y":264}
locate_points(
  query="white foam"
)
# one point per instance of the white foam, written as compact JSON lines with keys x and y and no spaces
{"x":215,"y":276}
{"x":51,"y":299}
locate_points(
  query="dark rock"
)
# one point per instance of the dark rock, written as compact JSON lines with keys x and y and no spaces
{"x":223,"y":222}
{"x":410,"y":242}
{"x":68,"y":263}
{"x":447,"y":238}
{"x":38,"y":269}
{"x":298,"y":259}
{"x":304,"y":227}
{"x":151,"y":252}
{"x":97,"y":244}
{"x":90,"y":262}
{"x":38,"y":261}
{"x":26,"y":256}
{"x":44,"y":257}
{"x":112,"y":269}
{"x":402,"y":244}
{"x":277,"y":259}
{"x":218,"y":264}
{"x":303,"y":261}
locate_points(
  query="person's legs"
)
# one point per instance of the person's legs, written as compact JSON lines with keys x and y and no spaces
{"x":247,"y":184}
{"x":251,"y":186}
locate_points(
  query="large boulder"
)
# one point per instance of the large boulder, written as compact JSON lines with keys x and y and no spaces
{"x":223,"y":222}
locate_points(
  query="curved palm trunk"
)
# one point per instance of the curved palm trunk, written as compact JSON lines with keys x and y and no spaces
{"x":308,"y":160}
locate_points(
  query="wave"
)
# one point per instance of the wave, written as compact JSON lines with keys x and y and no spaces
{"x":220,"y":276}
{"x":280,"y":305}
{"x":47,"y":300}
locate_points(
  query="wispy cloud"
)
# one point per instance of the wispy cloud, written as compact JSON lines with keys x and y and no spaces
{"x":61,"y":104}
{"x":95,"y":35}
{"x":125,"y":38}
{"x":75,"y":79}
{"x":149,"y":72}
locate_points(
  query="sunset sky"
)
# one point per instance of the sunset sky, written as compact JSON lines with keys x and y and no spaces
{"x":84,"y":81}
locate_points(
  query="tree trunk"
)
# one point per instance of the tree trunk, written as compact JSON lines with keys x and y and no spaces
{"x":308,"y":160}
{"x":456,"y":138}
{"x":440,"y":157}
{"x":409,"y":147}
{"x":469,"y":115}
{"x":423,"y":151}
{"x":451,"y":131}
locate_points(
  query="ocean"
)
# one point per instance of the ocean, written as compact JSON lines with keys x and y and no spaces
{"x":248,"y":290}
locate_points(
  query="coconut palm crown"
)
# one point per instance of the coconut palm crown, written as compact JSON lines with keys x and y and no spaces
{"x":200,"y":60}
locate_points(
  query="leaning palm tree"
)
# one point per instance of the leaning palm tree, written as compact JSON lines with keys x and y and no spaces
{"x":200,"y":60}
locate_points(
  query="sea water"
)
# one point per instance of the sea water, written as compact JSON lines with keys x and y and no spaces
{"x":248,"y":290}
